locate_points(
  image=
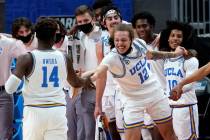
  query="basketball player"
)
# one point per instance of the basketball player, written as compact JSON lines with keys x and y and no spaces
{"x":8,"y":50}
{"x":144,"y":24}
{"x":184,"y":110}
{"x":110,"y":18}
{"x":44,"y":71}
{"x":128,"y":64}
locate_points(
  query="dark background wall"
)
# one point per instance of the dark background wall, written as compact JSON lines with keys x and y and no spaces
{"x":161,"y":9}
{"x":1,"y":15}
{"x":35,"y":8}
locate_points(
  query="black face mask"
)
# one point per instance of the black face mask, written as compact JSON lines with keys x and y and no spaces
{"x":86,"y":28}
{"x":58,"y":37}
{"x":25,"y":39}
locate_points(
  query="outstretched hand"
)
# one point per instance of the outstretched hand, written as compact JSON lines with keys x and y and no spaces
{"x":176,"y":93}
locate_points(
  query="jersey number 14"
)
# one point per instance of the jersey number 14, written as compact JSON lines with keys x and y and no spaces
{"x":52,"y":78}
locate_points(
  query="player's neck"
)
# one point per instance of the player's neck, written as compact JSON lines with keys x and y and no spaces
{"x":44,"y":46}
{"x":150,"y":38}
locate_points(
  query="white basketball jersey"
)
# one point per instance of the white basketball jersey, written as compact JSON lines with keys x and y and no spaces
{"x":110,"y":83}
{"x":45,"y":83}
{"x":157,"y":67}
{"x":133,"y":74}
{"x":174,"y":72}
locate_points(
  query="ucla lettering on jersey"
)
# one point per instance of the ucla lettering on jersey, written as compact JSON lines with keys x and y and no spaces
{"x":138,"y":66}
{"x":141,"y":69}
{"x":174,"y":72}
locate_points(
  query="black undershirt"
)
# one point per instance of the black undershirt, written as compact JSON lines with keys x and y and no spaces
{"x":127,"y":52}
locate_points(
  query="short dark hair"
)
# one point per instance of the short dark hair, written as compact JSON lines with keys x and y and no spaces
{"x":45,"y":29}
{"x":63,"y":30}
{"x":101,"y":3}
{"x":143,"y":15}
{"x":21,"y":21}
{"x":82,"y":9}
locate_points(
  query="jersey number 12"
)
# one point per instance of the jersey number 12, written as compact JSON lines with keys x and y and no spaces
{"x":52,"y":78}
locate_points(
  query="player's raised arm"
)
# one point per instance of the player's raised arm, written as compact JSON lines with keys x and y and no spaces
{"x":197,"y":75}
{"x":163,"y":55}
{"x":99,"y":72}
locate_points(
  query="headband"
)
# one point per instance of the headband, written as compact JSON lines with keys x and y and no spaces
{"x":111,"y":12}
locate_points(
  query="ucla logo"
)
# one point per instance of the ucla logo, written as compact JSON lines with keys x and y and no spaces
{"x":127,"y":62}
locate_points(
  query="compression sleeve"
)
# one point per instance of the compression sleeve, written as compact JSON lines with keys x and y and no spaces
{"x":12,"y":84}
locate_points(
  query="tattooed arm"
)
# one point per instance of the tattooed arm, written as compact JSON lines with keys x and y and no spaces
{"x":163,"y":55}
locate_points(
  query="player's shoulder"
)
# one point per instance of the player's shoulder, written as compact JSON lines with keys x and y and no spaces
{"x":139,"y":41}
{"x":6,"y":40}
{"x":12,"y":43}
{"x":25,"y":60}
{"x":139,"y":45}
{"x":192,"y":60}
{"x":25,"y":56}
